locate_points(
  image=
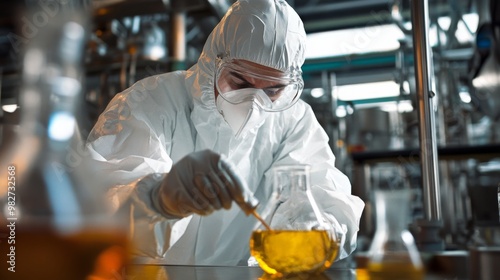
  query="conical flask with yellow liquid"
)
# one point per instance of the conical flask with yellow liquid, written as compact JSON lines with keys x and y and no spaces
{"x":298,"y":240}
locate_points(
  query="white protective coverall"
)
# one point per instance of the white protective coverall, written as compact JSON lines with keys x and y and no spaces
{"x":160,"y":119}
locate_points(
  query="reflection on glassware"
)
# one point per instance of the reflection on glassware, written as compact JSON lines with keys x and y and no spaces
{"x":393,"y":253}
{"x":87,"y":254}
{"x":362,"y":274}
{"x":301,"y":241}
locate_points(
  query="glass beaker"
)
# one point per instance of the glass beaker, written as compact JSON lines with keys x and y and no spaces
{"x":300,"y":240}
{"x":393,"y":253}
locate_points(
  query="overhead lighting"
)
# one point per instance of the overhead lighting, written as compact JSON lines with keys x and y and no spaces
{"x":368,"y":39}
{"x":468,"y":24}
{"x":444,"y":23}
{"x":367,"y":90}
{"x":465,"y":96}
{"x":472,"y":21}
{"x":485,"y":80}
{"x":61,"y":126}
{"x":406,"y":87}
{"x":401,"y":106}
{"x":156,"y":52}
{"x":341,"y":112}
{"x":433,"y":35}
{"x":155,"y":45}
{"x":491,"y":166}
{"x":11,"y":108}
{"x":317,"y":92}
{"x":463,"y":35}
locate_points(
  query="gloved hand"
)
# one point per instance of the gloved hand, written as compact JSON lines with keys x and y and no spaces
{"x":200,"y":183}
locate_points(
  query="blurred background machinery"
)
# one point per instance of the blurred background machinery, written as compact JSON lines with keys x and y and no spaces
{"x":359,"y":79}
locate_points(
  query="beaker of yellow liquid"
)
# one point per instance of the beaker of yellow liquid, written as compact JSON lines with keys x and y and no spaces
{"x":300,"y":241}
{"x":393,"y":253}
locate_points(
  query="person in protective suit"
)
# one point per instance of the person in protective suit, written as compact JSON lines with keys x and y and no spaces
{"x":179,"y":148}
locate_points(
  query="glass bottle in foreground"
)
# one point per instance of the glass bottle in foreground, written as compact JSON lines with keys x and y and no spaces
{"x":60,"y":224}
{"x":300,"y":240}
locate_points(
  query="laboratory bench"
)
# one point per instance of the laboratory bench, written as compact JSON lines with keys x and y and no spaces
{"x":187,"y":272}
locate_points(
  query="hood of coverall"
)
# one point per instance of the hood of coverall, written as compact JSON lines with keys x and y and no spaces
{"x":267,"y":32}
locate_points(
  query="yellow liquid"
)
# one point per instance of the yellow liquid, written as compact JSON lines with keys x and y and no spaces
{"x":86,"y":255}
{"x":395,"y":271}
{"x":284,"y":252}
{"x":362,"y":274}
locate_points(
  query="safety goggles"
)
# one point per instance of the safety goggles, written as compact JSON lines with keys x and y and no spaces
{"x":276,"y":90}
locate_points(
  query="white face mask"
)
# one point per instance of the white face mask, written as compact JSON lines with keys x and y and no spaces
{"x":245,"y":115}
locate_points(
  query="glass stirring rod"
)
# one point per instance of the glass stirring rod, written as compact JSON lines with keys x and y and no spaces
{"x":249,"y":206}
{"x":258,"y":217}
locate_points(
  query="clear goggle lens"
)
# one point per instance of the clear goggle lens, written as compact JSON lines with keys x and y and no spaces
{"x":276,"y":90}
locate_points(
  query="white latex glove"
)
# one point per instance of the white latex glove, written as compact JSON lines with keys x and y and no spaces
{"x":200,"y":183}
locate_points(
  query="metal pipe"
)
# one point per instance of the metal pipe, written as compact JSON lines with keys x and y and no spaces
{"x":427,"y":135}
{"x":498,"y":197}
{"x":178,"y":40}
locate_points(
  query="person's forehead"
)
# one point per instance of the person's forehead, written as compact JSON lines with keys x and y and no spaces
{"x":256,"y":66}
{"x":251,"y":69}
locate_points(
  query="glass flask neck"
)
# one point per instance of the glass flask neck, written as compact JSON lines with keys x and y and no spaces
{"x":294,"y":177}
{"x":391,"y":209}
{"x":296,"y":207}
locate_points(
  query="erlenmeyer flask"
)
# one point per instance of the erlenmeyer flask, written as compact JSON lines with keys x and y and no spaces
{"x":300,"y":240}
{"x":393,"y":253}
{"x":60,"y":226}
